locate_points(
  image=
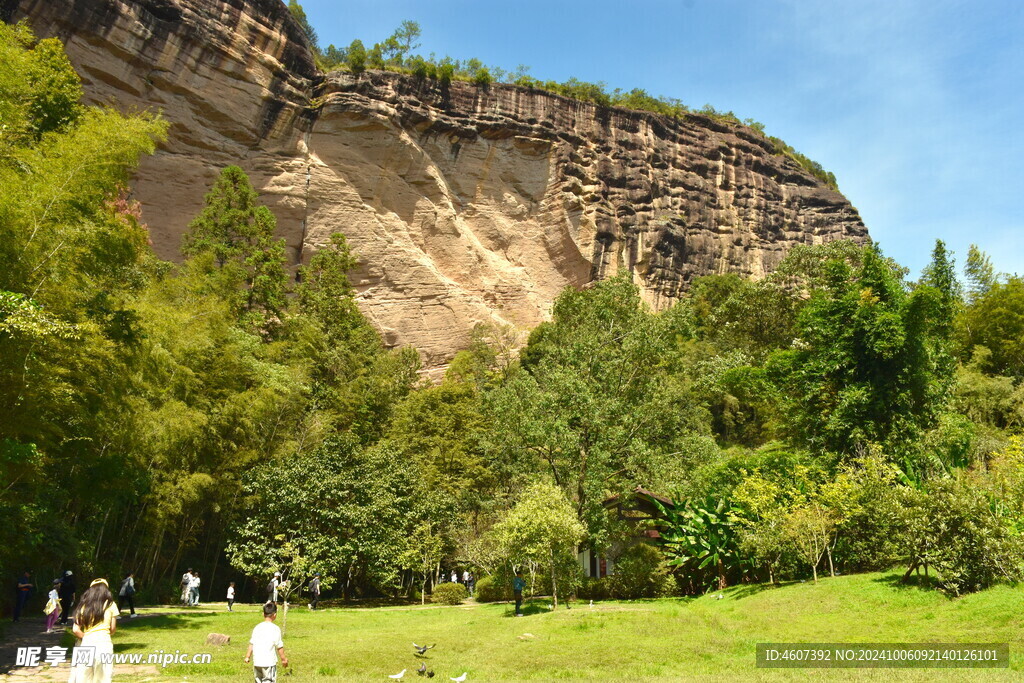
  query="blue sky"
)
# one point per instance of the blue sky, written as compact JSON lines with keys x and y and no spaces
{"x":915,"y":105}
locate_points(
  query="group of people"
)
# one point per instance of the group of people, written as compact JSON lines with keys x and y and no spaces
{"x":60,"y":599}
{"x":277,"y":584}
{"x":468,"y":580}
{"x":190,"y":583}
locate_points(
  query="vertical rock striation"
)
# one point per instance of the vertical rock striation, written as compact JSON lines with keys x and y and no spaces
{"x":464,"y":205}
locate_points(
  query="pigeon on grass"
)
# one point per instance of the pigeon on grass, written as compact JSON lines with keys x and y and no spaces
{"x":423,"y":669}
{"x":422,"y":649}
{"x":460,"y":679}
{"x":397,"y":675}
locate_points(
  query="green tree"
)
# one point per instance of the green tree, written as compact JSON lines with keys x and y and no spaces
{"x":300,"y":17}
{"x":593,"y":403}
{"x":356,"y":57}
{"x":238,"y":234}
{"x":870,"y":364}
{"x":542,"y":529}
{"x":995,"y":320}
{"x":73,"y":259}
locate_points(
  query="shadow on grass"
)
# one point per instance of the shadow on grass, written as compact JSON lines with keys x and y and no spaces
{"x":163,"y":621}
{"x":752,"y":589}
{"x":913,"y":582}
{"x":530,"y":608}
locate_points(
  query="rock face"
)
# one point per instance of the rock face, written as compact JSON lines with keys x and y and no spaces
{"x":464,"y":204}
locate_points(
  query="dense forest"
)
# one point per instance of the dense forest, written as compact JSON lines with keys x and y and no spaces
{"x":223,"y":414}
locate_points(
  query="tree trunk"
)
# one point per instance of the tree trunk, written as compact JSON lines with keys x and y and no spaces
{"x":831,"y":569}
{"x":554,"y":582}
{"x":721,"y":574}
{"x":814,"y":568}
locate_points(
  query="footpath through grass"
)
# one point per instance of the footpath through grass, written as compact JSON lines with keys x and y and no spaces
{"x":642,"y":640}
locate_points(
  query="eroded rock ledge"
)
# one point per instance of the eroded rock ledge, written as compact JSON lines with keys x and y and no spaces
{"x":464,"y":205}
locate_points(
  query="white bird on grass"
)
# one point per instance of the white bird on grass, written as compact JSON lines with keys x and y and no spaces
{"x":398,"y":675}
{"x":460,"y":678}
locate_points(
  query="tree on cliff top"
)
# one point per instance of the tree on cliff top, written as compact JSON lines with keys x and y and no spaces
{"x":300,"y":16}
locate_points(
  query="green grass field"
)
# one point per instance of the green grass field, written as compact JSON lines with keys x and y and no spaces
{"x":642,"y":640}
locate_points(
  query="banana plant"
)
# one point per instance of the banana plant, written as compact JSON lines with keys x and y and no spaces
{"x":700,"y":538}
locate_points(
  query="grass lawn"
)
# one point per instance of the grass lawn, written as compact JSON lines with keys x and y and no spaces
{"x":642,"y":640}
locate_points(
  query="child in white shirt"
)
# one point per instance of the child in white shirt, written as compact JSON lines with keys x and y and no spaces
{"x":264,"y":646}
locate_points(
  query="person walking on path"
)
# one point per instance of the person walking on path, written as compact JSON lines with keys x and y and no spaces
{"x":314,"y":591}
{"x":231,"y":596}
{"x":127,"y":593}
{"x":455,"y":576}
{"x":67,"y":597}
{"x":23,"y":590}
{"x":193,"y":588}
{"x":53,"y":605}
{"x":95,"y":622}
{"x":186,"y":587}
{"x":518,"y":584}
{"x":264,"y":647}
{"x":275,"y":581}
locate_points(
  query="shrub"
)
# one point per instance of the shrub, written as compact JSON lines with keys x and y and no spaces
{"x":445,"y":72}
{"x":489,"y":590}
{"x":640,"y":572}
{"x":958,"y":530}
{"x":482,"y":78}
{"x":594,"y":588}
{"x":449,"y":594}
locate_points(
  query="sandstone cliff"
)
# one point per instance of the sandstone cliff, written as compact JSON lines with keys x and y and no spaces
{"x":464,"y":205}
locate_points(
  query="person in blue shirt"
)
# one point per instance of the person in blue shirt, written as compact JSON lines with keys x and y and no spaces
{"x":518,"y":584}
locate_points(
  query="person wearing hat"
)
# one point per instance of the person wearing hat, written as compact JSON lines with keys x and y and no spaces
{"x":186,"y":587}
{"x":53,"y":605}
{"x":314,"y":591}
{"x":67,"y":592}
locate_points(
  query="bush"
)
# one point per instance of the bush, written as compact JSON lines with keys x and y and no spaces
{"x":482,"y":78}
{"x":449,"y":594}
{"x":640,"y":572}
{"x":594,"y":588}
{"x":969,"y":540}
{"x":489,"y":590}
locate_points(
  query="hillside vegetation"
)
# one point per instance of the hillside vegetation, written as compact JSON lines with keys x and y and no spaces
{"x":834,"y":417}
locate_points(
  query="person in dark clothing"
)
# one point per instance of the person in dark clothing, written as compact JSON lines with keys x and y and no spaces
{"x":314,"y":591}
{"x":518,"y":584}
{"x":127,"y":592}
{"x":24,"y":588}
{"x":67,"y":596}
